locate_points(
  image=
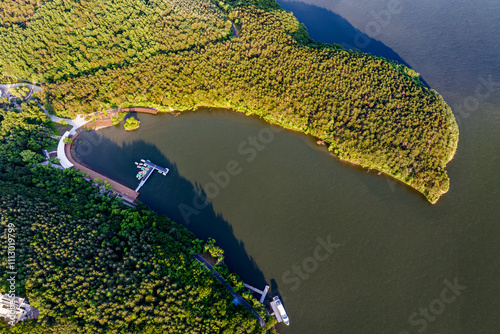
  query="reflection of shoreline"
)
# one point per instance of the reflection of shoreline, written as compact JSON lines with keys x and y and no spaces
{"x":123,"y":191}
{"x":431,"y":198}
{"x":224,"y":231}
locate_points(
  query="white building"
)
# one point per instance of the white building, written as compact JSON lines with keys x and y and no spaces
{"x":15,"y":310}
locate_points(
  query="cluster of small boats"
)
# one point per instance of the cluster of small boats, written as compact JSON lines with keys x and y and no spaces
{"x":143,"y":170}
{"x":146,"y":170}
{"x":145,"y":166}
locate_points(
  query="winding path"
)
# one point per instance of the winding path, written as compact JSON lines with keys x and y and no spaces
{"x":75,"y":124}
{"x":64,"y":156}
{"x":5,"y":90}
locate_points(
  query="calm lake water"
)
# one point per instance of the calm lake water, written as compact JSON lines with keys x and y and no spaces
{"x":348,"y":251}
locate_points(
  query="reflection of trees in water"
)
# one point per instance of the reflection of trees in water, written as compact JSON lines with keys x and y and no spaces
{"x":166,"y":194}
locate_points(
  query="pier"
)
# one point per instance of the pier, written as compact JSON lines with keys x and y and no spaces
{"x":149,"y":168}
{"x":262,"y":294}
{"x":239,"y":299}
{"x":276,"y":312}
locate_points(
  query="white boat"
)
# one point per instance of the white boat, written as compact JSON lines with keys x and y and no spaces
{"x":281,"y":309}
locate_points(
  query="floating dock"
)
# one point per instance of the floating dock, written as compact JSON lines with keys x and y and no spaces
{"x":276,"y":313}
{"x":279,"y":311}
{"x":149,"y":168}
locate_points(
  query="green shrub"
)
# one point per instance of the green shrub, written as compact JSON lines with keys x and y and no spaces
{"x":131,"y":123}
{"x":20,"y":91}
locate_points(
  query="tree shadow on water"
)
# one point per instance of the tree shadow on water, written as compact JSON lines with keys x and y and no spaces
{"x":169,"y":195}
{"x":326,"y":26}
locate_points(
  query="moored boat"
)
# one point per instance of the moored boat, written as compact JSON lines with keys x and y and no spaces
{"x":281,"y":309}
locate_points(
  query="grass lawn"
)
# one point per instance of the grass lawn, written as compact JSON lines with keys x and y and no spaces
{"x":59,"y":129}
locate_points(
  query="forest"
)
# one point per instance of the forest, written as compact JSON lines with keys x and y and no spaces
{"x":98,"y":54}
{"x":370,"y":111}
{"x":63,"y":39}
{"x":131,"y":123}
{"x":90,"y":264}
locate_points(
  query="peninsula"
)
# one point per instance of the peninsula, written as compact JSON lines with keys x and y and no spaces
{"x":90,"y":264}
{"x":369,"y":111}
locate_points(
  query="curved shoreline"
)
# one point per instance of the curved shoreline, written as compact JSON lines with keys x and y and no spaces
{"x":67,"y":161}
{"x":123,"y":191}
{"x":430,"y":199}
{"x":131,"y":196}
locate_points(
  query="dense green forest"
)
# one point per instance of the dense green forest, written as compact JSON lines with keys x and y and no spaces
{"x":70,"y":38}
{"x":90,"y":264}
{"x":131,"y":123}
{"x":105,"y":53}
{"x":370,"y":111}
{"x":18,"y":12}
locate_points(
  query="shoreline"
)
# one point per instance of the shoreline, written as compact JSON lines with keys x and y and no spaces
{"x":319,"y":142}
{"x":325,"y":142}
{"x":121,"y":190}
{"x":379,"y":173}
{"x":126,"y":193}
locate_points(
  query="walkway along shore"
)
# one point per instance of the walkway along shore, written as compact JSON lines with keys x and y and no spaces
{"x":67,"y":160}
{"x":131,"y":195}
{"x":123,"y":191}
{"x":230,"y":289}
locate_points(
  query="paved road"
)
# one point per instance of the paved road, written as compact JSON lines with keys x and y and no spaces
{"x":9,"y":86}
{"x":75,"y":123}
{"x":230,"y":289}
{"x":5,"y":89}
{"x":64,"y":159}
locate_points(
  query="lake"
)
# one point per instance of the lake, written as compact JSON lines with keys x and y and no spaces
{"x":349,"y":251}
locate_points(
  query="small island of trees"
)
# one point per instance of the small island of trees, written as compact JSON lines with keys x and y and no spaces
{"x":131,"y":123}
{"x":368,"y":110}
{"x":90,"y":264}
